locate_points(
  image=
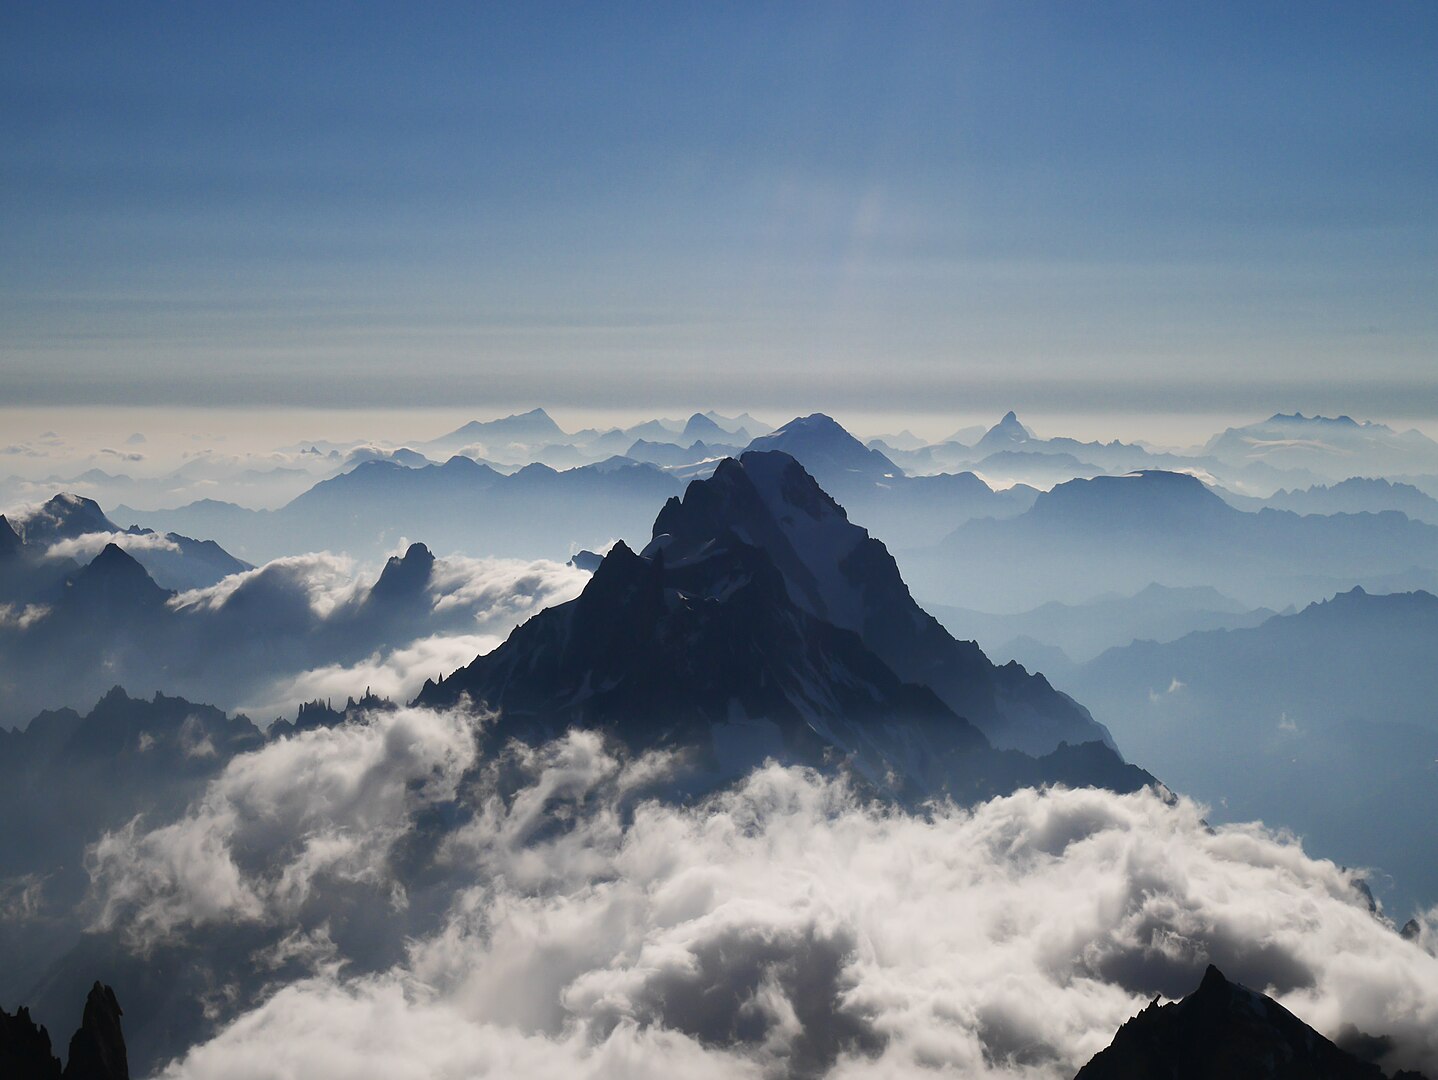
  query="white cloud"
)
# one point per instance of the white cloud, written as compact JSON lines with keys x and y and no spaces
{"x":87,"y":546}
{"x":502,"y":592}
{"x":397,"y":674}
{"x":780,"y":928}
{"x":327,"y":802}
{"x":326,"y":581}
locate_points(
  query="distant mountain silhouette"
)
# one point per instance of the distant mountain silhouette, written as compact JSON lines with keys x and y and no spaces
{"x":1322,"y":721}
{"x":743,"y":422}
{"x":831,"y":455}
{"x":758,"y":621}
{"x":534,"y":428}
{"x":701,"y":428}
{"x":1224,"y":1031}
{"x":65,"y":517}
{"x":461,"y":505}
{"x":1083,"y":631}
{"x":910,"y":510}
{"x":1007,"y":434}
{"x":1121,"y":533}
{"x":1358,"y":495}
{"x":1336,"y":447}
{"x":668,"y":455}
{"x":112,"y":582}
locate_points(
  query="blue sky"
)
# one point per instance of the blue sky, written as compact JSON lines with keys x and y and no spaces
{"x":1095,"y":207}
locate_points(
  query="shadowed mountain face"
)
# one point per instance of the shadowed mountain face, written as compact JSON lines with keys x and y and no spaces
{"x":1224,"y":1031}
{"x":1322,"y":721}
{"x":760,"y":620}
{"x":836,"y":571}
{"x":97,"y":1049}
{"x":663,"y":656}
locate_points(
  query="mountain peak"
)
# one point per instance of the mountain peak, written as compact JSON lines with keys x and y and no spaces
{"x":63,"y":517}
{"x":834,"y":570}
{"x":1223,"y":1029}
{"x":97,"y":1050}
{"x":115,"y":579}
{"x":1007,"y":432}
{"x":701,"y":428}
{"x":828,"y":452}
{"x":404,"y":576}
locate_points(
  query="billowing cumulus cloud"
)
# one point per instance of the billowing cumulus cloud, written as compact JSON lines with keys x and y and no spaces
{"x":325,"y":582}
{"x":321,"y":803}
{"x":577,"y":927}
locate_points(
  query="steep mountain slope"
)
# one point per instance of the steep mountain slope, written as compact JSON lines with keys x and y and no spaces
{"x":759,"y":620}
{"x":1224,"y":1031}
{"x":97,"y":1049}
{"x":837,"y":572}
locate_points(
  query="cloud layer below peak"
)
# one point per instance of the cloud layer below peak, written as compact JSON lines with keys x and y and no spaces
{"x":548,"y":920}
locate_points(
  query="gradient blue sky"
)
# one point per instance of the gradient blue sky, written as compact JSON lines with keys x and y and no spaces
{"x":960,"y":207}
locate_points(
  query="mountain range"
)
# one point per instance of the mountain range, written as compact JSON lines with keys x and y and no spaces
{"x":1080,"y":632}
{"x":461,"y":505}
{"x":1120,"y":533}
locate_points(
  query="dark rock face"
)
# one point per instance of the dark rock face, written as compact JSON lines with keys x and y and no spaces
{"x":759,"y":622}
{"x":11,"y":545}
{"x":836,"y":571}
{"x":25,"y":1048}
{"x":404,"y":580}
{"x":97,"y":1049}
{"x":1224,"y":1031}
